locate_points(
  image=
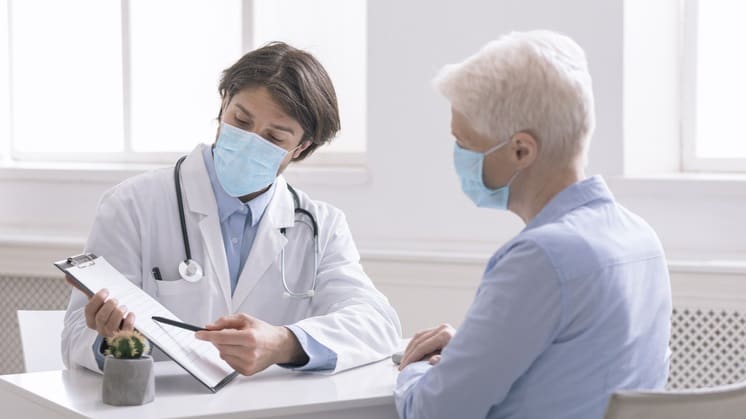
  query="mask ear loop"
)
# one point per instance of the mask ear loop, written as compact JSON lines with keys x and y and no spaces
{"x":495,"y":148}
{"x":512,"y":178}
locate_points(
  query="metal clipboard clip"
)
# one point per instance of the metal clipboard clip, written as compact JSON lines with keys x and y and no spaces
{"x":82,"y":261}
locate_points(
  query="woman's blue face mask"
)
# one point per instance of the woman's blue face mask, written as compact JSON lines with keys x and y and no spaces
{"x":469,"y":165}
{"x":245,"y":162}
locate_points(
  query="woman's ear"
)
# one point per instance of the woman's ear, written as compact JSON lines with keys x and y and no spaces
{"x":525,"y":148}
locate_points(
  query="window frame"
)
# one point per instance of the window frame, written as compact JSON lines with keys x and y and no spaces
{"x":10,"y":157}
{"x":690,"y":162}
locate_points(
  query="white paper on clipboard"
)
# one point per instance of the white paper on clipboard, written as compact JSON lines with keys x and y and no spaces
{"x":200,"y":358}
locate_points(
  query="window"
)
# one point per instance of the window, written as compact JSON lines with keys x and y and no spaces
{"x":4,"y":84}
{"x":714,"y":86}
{"x":335,"y":31}
{"x":136,"y":81}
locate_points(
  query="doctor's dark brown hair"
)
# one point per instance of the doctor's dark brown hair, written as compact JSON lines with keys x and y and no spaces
{"x":296,"y":81}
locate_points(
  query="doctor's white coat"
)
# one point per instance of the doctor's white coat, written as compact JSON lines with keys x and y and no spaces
{"x":137,"y":228}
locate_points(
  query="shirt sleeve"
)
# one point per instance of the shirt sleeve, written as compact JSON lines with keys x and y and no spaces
{"x":320,"y":358}
{"x":514,"y":317}
{"x":98,"y":351}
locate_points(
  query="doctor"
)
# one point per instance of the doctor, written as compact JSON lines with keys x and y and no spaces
{"x":268,"y":291}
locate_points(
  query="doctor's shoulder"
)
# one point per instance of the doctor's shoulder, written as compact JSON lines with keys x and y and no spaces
{"x":147,"y":185}
{"x":147,"y":189}
{"x":327,"y":215}
{"x":319,"y":209}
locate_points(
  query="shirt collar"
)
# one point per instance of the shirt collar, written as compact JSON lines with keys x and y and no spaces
{"x":229,"y":205}
{"x":574,"y":196}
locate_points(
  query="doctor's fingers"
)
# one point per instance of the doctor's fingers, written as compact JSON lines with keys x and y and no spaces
{"x":129,"y":322}
{"x":245,"y":353}
{"x":241,"y":365}
{"x":234,"y":321}
{"x":104,"y":314}
{"x":116,"y":319}
{"x":228,"y":337}
{"x":93,"y":306}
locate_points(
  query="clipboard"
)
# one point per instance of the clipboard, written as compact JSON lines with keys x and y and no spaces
{"x":199,"y":358}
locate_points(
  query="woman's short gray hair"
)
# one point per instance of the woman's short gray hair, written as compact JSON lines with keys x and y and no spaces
{"x":535,"y":82}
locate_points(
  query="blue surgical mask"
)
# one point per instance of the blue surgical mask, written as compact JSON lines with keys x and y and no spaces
{"x":244,"y":161}
{"x":469,"y":165}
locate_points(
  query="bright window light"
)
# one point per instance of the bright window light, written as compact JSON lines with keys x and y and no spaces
{"x":66,"y":75}
{"x":4,"y":84}
{"x":92,"y":80}
{"x":334,"y":31}
{"x":721,"y":79}
{"x":178,"y":48}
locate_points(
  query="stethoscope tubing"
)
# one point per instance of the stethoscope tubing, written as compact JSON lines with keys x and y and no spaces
{"x":190,"y":269}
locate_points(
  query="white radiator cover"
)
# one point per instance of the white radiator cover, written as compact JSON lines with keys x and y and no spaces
{"x":25,"y":293}
{"x":708,"y":346}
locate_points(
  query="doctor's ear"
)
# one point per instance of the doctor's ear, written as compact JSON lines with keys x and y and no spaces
{"x":301,"y":148}
{"x":223,"y":104}
{"x":524,"y":148}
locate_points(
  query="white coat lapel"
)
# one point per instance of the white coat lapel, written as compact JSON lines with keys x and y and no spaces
{"x":268,"y":243}
{"x":199,"y":198}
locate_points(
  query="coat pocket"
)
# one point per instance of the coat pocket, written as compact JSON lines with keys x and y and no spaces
{"x":184,"y":299}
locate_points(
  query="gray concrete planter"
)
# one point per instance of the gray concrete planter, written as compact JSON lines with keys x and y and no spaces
{"x":128,"y":382}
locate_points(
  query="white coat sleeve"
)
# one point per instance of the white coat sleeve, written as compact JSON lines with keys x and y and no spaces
{"x":115,"y":234}
{"x":349,"y":315}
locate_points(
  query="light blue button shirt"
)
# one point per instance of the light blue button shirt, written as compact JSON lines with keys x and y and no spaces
{"x":239,"y":221}
{"x":574,"y":307}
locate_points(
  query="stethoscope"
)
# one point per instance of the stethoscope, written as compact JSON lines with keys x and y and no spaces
{"x":191,"y":271}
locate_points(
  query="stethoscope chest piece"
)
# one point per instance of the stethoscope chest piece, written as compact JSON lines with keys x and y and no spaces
{"x":190,"y":271}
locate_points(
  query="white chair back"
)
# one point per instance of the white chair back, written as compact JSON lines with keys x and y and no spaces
{"x":41,"y":337}
{"x":723,"y":402}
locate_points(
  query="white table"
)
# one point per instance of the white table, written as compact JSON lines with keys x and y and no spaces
{"x":364,"y":392}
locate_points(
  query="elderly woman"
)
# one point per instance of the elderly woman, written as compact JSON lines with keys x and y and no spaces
{"x":578,"y":304}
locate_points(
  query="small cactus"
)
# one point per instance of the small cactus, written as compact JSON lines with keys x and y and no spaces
{"x":127,"y":344}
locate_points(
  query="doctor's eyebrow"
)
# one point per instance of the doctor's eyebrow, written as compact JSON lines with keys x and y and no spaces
{"x":277,"y":127}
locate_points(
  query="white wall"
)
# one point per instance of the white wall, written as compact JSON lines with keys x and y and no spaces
{"x":417,"y":201}
{"x":406,"y":211}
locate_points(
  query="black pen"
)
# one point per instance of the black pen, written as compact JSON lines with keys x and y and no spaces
{"x":157,"y":274}
{"x":186,"y":326}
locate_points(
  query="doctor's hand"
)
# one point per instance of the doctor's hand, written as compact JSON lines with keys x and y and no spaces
{"x":427,"y":344}
{"x":250,"y":345}
{"x":104,"y":315}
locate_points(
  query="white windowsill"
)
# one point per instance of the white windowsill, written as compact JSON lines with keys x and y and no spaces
{"x":112,"y":173}
{"x":60,"y":172}
{"x":688,"y":184}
